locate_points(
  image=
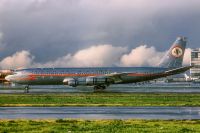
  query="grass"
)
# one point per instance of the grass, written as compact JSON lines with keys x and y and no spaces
{"x":99,"y":126}
{"x":101,"y":99}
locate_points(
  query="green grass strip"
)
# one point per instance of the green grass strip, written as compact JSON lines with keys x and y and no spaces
{"x":99,"y":126}
{"x":101,"y":99}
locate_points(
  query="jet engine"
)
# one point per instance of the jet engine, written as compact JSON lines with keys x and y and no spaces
{"x":70,"y":81}
{"x":97,"y":80}
{"x":86,"y":81}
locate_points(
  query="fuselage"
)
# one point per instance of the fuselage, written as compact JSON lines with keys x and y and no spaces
{"x":55,"y":76}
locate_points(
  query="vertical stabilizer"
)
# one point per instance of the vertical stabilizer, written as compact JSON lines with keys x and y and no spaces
{"x":174,"y":56}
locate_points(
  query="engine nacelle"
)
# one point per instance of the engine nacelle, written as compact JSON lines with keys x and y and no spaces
{"x":88,"y":81}
{"x":96,"y":80}
{"x":70,"y":81}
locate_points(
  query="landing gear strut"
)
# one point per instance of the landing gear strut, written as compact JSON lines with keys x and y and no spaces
{"x":99,"y":87}
{"x":26,"y":89}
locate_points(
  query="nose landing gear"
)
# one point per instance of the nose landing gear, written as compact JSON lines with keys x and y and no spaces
{"x":26,"y":89}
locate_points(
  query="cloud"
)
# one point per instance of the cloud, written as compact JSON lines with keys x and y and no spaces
{"x":49,"y":26}
{"x":95,"y":56}
{"x":1,"y":36}
{"x":1,"y":42}
{"x":142,"y":56}
{"x":22,"y":59}
{"x":48,"y":29}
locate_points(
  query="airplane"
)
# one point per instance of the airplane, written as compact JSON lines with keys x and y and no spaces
{"x":101,"y":77}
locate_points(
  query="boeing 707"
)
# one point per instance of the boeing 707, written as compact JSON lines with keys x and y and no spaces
{"x":102,"y":77}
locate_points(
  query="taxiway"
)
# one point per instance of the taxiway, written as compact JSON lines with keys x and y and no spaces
{"x":100,"y":112}
{"x":129,"y":88}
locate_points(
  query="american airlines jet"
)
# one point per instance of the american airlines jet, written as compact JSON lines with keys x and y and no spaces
{"x":101,"y":77}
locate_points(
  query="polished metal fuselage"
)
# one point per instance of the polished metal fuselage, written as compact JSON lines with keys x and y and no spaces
{"x":55,"y":76}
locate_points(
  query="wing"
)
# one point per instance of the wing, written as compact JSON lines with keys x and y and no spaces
{"x":115,"y":77}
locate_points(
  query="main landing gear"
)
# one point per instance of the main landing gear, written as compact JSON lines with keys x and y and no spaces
{"x":99,"y":88}
{"x":26,"y":89}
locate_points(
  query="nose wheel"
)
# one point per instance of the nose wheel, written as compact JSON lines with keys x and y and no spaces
{"x":26,"y":89}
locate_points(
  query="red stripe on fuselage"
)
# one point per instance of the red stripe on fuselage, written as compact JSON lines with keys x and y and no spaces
{"x":145,"y":74}
{"x":66,"y":75}
{"x":29,"y":77}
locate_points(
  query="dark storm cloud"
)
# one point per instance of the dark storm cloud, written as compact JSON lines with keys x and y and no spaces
{"x":50,"y":28}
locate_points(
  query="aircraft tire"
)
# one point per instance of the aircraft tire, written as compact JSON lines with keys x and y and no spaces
{"x":99,"y":87}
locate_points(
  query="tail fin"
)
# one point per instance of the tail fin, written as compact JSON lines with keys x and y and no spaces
{"x":174,"y":56}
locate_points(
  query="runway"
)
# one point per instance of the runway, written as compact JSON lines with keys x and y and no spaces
{"x":147,"y":88}
{"x":100,"y":112}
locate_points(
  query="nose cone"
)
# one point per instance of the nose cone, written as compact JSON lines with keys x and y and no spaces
{"x":8,"y":78}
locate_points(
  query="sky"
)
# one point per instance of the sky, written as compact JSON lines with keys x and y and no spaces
{"x":81,"y":33}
